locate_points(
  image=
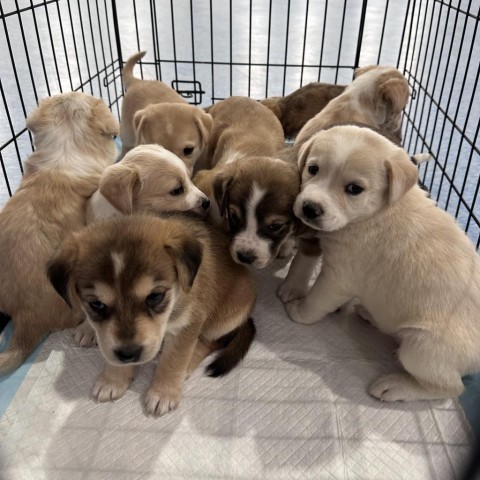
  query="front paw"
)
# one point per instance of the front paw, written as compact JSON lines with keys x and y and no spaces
{"x":160,"y":401}
{"x":299,"y":313}
{"x":84,"y":335}
{"x":288,"y":292}
{"x":108,"y":389}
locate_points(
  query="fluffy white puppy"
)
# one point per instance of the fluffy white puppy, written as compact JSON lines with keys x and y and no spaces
{"x":387,"y":247}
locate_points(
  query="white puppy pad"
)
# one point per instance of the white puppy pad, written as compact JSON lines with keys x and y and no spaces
{"x":296,"y":408}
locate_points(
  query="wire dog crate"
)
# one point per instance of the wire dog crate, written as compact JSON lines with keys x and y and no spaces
{"x":209,"y":50}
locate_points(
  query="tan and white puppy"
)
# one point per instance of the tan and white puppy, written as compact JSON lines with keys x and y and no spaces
{"x":73,"y":144}
{"x":150,"y":285}
{"x":388,"y":248}
{"x":149,"y":179}
{"x":152,"y":112}
{"x":252,"y":191}
{"x":376,"y":97}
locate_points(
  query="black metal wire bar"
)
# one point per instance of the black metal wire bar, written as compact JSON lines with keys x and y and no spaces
{"x":404,"y":29}
{"x":93,"y":44}
{"x":17,"y":11}
{"x":304,"y":44}
{"x":468,"y":13}
{"x":136,"y":32}
{"x":231,"y":47}
{"x":193,"y":45}
{"x":156,"y":40}
{"x":320,"y":60}
{"x":249,"y":45}
{"x":383,"y":33}
{"x":67,"y":61}
{"x":52,"y":44}
{"x":13,"y":139}
{"x":341,"y":39}
{"x":212,"y":67}
{"x":74,"y":41}
{"x":268,"y":47}
{"x":5,"y":176}
{"x":470,"y":214}
{"x":173,"y":39}
{"x":286,"y":48}
{"x":360,"y":32}
{"x":96,"y":76}
{"x":85,"y":46}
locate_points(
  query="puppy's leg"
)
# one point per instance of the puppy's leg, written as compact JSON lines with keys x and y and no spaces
{"x":166,"y":389}
{"x":113,"y":383}
{"x":430,"y":373}
{"x":324,"y":297}
{"x":84,"y":335}
{"x":201,"y":352}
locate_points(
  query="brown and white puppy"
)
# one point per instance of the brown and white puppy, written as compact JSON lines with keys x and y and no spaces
{"x":376,"y":97}
{"x":251,"y":190}
{"x":152,"y":112}
{"x":149,"y":179}
{"x":388,"y":248}
{"x":73,"y":144}
{"x":150,"y":285}
{"x":296,"y":109}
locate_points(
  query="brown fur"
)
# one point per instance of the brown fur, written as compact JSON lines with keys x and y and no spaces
{"x":205,"y":296}
{"x":296,"y":109}
{"x":72,"y":134}
{"x":152,"y":112}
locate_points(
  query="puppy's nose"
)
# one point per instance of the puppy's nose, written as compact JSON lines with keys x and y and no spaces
{"x":205,"y":204}
{"x":311,"y":210}
{"x":129,"y":354}
{"x":247,"y":257}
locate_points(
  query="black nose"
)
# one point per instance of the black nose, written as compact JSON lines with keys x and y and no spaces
{"x":246,"y":257}
{"x":205,"y":204}
{"x":310,"y":210}
{"x":129,"y":354}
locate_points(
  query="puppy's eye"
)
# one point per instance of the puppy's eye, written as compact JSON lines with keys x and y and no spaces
{"x":354,"y":189}
{"x":275,"y":227}
{"x":98,"y":307}
{"x":313,"y":169}
{"x":188,"y":151}
{"x":177,"y":191}
{"x":154,"y":299}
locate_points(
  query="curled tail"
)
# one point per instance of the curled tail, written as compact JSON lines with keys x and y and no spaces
{"x":127,"y":71}
{"x":235,"y":346}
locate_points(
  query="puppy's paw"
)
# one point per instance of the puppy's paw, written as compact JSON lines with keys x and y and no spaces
{"x":84,"y":335}
{"x":298,"y":312}
{"x":108,"y":389}
{"x":396,"y":387}
{"x":288,"y":292}
{"x":288,"y":249}
{"x":160,"y":401}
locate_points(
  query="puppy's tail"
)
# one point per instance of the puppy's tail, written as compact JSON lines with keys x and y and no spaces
{"x":419,"y":158}
{"x":235,"y":346}
{"x":127,"y":72}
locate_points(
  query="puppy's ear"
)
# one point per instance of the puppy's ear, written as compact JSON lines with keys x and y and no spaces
{"x":303,"y":155}
{"x":402,"y":175}
{"x":187,"y":255}
{"x":103,"y":120}
{"x":221,"y":184}
{"x":139,"y":122}
{"x":204,"y":122}
{"x":361,"y":70}
{"x":273,"y":104}
{"x":119,"y":185}
{"x":59,"y":269}
{"x":395,"y":93}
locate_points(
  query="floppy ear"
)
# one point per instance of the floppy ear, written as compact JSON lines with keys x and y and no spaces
{"x":204,"y":122}
{"x":119,"y":185}
{"x":59,"y":269}
{"x":221,"y":184}
{"x":402,"y":175}
{"x":103,"y":119}
{"x":139,"y":122}
{"x":187,"y":255}
{"x":303,"y":155}
{"x":395,"y":93}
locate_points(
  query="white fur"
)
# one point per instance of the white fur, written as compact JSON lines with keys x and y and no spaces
{"x":101,"y":208}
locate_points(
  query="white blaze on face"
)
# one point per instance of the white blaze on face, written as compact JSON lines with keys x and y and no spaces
{"x":118,"y":263}
{"x":248,"y":241}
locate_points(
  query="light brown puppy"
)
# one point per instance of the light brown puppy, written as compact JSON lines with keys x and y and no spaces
{"x":73,"y":140}
{"x":148,"y":285}
{"x":296,"y":109}
{"x":152,"y":112}
{"x":390,"y":249}
{"x":376,"y":97}
{"x":252,"y":191}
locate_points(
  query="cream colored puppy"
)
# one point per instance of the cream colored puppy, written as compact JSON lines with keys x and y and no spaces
{"x":73,"y":144}
{"x":390,"y":249}
{"x":152,"y":112}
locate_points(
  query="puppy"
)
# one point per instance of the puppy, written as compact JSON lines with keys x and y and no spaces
{"x":252,"y":192}
{"x":73,"y":144}
{"x":150,"y":285}
{"x":296,"y":109}
{"x":376,"y":97}
{"x":152,"y":112}
{"x":387,"y":247}
{"x":149,"y":179}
